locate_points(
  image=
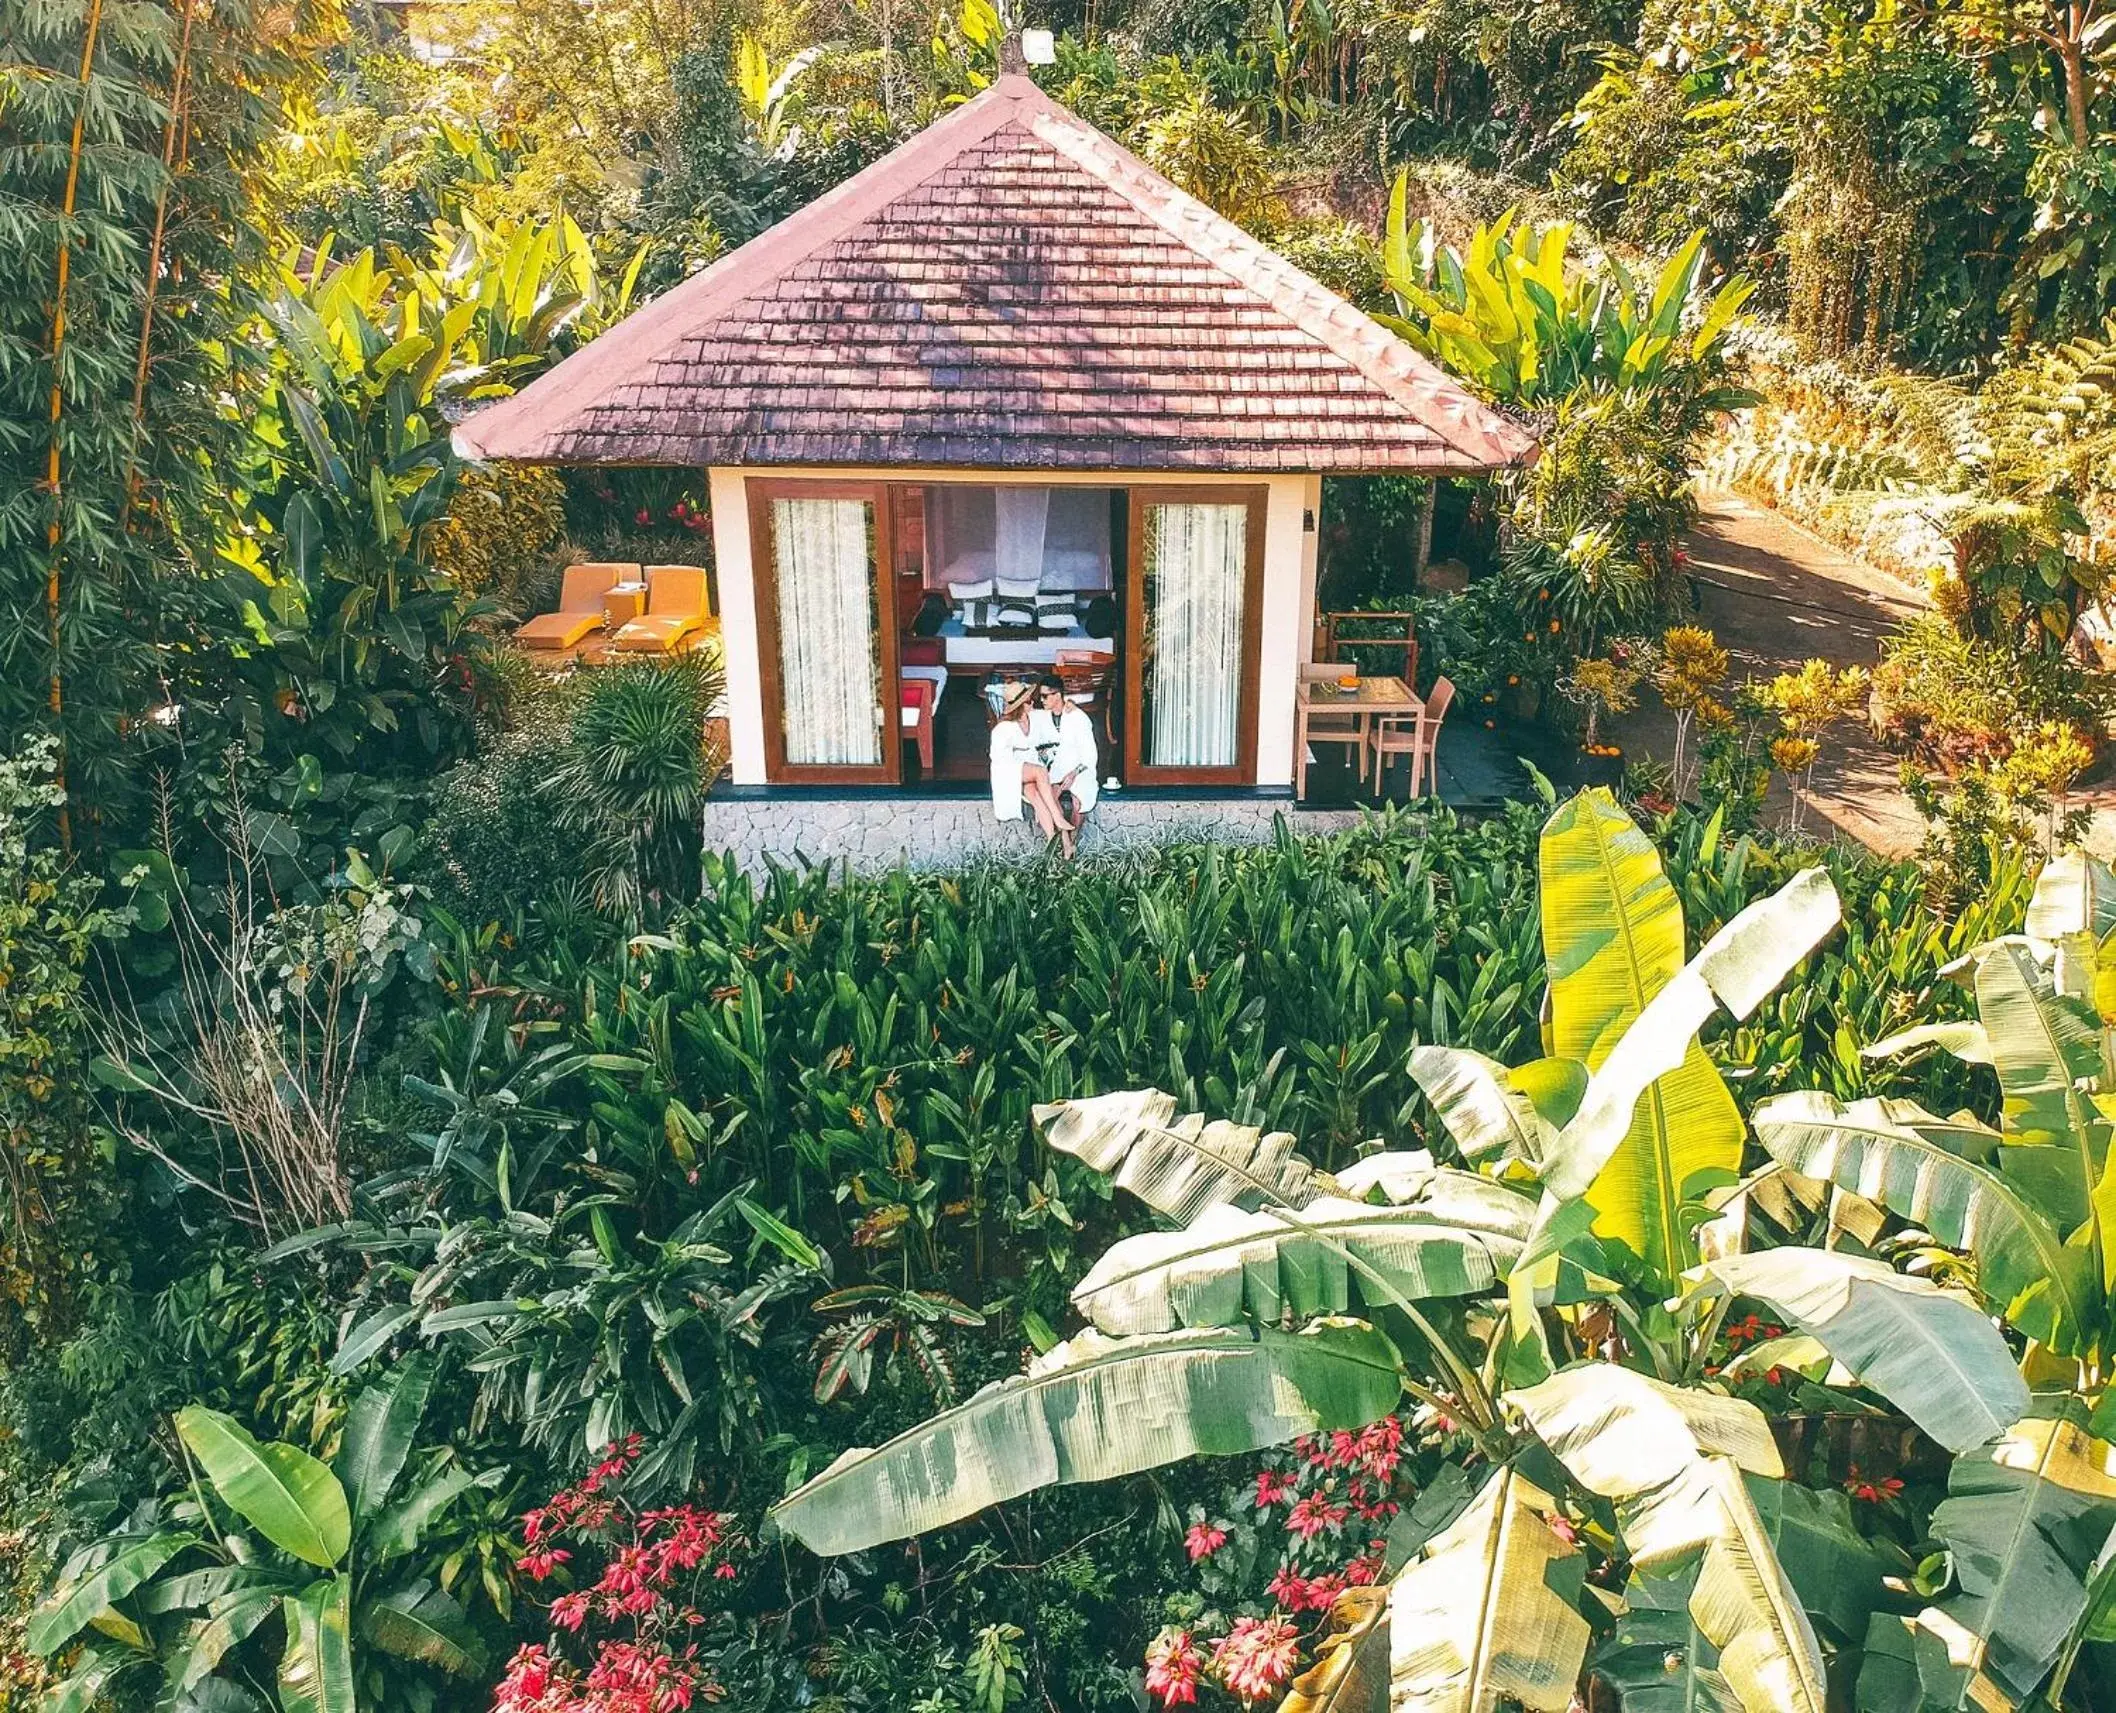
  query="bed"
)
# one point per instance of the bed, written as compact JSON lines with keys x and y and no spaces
{"x":1012,"y":648}
{"x":1014,"y":572}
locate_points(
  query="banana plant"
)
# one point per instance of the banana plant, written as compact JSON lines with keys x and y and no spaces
{"x":1290,"y":1301}
{"x":268,"y":1532}
{"x":2026,"y":1528}
{"x":1515,"y":316}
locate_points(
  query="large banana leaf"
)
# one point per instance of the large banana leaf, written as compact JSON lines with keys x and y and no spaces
{"x":1351,"y":1669}
{"x":1737,"y":967}
{"x":87,"y":1595}
{"x":1496,"y":1112}
{"x":291,"y":1499}
{"x":1476,"y":1619}
{"x":1177,"y":1166}
{"x":379,"y":1431}
{"x":1273,"y":1265}
{"x":2046,"y":1046}
{"x":1674,"y":1459}
{"x":228,"y":1626}
{"x":1743,"y":1601}
{"x":1882,"y":1150}
{"x":316,"y":1670}
{"x":1936,"y":1358}
{"x":1613,"y":938}
{"x":2023,"y":1521}
{"x":2074,"y":894}
{"x":423,"y":1623}
{"x":1091,"y":1409}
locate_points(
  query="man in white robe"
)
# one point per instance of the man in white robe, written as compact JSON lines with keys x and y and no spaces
{"x":1020,"y":773}
{"x":1076,"y":763}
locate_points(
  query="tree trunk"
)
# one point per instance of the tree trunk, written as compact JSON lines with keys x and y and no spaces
{"x":2073,"y":57}
{"x":1422,"y":551}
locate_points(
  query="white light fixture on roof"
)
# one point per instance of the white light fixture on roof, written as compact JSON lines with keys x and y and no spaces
{"x":1038,"y":47}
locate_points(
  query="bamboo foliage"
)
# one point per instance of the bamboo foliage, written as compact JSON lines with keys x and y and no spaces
{"x":123,"y":257}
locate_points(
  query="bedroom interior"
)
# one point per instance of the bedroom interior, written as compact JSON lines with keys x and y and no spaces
{"x":997,"y":581}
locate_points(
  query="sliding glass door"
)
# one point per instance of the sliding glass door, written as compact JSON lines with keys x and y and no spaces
{"x":1197,"y":563}
{"x":826,"y":642}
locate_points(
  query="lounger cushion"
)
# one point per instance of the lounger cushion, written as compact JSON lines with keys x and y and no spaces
{"x":556,"y":630}
{"x":652,"y":634}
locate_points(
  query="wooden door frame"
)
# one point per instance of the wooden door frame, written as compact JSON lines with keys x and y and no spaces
{"x":764,"y":573}
{"x":1139,"y":497}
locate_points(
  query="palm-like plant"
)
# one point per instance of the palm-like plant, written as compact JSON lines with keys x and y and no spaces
{"x":270,"y":1532}
{"x":1288,"y":1301}
{"x":633,"y":777}
{"x":1514,"y":316}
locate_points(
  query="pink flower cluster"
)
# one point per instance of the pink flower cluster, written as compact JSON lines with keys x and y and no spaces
{"x":647,"y":1556}
{"x":1334,"y":1503}
{"x":1337,"y":1478}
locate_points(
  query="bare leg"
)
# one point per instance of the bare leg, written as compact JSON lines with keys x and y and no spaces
{"x":1036,"y":793}
{"x":1050,"y":814}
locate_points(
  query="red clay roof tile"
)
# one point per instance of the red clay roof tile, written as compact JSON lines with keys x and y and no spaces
{"x":1008,"y":290}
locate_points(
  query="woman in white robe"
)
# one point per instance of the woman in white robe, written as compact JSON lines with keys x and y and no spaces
{"x":1019,"y":775}
{"x":1076,"y":765}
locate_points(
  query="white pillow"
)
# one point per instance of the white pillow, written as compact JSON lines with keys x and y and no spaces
{"x":1018,"y":588}
{"x":971,"y":591}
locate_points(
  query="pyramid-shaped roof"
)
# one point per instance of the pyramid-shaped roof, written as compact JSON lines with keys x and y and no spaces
{"x":1009,"y":290}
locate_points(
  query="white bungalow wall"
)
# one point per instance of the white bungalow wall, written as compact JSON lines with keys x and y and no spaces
{"x":1287,"y":618}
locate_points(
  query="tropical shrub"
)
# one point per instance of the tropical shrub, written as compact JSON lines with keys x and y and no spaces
{"x":1513,"y":317}
{"x":1290,"y":1302}
{"x":53,"y":1202}
{"x":632,"y":778}
{"x":185,"y":1593}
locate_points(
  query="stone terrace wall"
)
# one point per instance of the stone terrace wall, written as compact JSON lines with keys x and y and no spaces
{"x":874,"y":833}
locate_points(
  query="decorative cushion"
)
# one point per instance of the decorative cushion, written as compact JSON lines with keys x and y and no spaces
{"x":1056,"y":612}
{"x":932,"y":614}
{"x":1018,"y":588}
{"x":979,"y":617}
{"x":980,"y":591}
{"x":1100,"y":616}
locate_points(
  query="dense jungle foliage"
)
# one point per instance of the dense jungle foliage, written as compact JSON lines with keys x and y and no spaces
{"x":453,"y":1222}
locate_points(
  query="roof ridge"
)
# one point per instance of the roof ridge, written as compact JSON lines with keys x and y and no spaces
{"x":1406,"y":376}
{"x":769,"y":256}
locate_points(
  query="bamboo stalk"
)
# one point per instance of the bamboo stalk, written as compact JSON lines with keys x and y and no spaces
{"x":52,"y":467}
{"x":179,"y":94}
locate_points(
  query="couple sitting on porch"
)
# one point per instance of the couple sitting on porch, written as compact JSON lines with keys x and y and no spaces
{"x":1044,"y":757}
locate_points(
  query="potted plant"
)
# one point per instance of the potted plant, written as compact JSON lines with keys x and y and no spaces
{"x":1603,"y":686}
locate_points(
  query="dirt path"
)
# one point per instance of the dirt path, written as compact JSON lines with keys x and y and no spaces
{"x":1776,"y":596}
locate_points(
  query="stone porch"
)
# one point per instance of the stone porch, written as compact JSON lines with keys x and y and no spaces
{"x":882,"y":832}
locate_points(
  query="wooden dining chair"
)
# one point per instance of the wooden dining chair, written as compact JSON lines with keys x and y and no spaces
{"x":1415,"y":736}
{"x":918,"y":697}
{"x":1086,"y":674}
{"x":1326,"y":725}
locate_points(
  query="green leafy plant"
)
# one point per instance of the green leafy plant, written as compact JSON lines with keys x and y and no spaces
{"x":633,"y":777}
{"x":1512,"y":315}
{"x":267,"y":1532}
{"x":1286,"y":1304}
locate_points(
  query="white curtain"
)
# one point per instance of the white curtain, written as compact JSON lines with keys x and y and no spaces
{"x":1196,"y":559}
{"x":822,"y":554}
{"x":1023,"y":514}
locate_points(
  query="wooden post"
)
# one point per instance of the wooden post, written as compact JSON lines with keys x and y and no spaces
{"x":1422,"y":552}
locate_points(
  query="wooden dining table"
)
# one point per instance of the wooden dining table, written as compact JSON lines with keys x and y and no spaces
{"x":1369,"y":700}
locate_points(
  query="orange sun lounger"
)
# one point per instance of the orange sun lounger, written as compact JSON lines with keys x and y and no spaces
{"x":676,"y":606}
{"x":580,"y":599}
